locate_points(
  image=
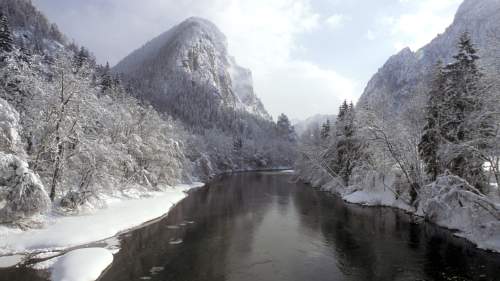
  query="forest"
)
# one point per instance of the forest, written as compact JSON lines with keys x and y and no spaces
{"x":439,"y":154}
{"x":164,"y":163}
{"x":74,"y":130}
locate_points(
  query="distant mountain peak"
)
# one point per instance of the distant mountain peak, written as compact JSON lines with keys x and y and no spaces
{"x":408,"y":73}
{"x":190,"y":63}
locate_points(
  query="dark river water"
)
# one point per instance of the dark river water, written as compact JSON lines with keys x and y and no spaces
{"x":265,"y":227}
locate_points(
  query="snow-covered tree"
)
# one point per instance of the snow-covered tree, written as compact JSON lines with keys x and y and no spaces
{"x":285,"y":128}
{"x":5,"y":35}
{"x":325,"y":130}
{"x":81,"y":58}
{"x":106,"y":78}
{"x":347,"y":150}
{"x":465,"y":126}
{"x":431,"y":137}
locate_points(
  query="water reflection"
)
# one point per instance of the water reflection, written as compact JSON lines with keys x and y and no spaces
{"x":264,"y":227}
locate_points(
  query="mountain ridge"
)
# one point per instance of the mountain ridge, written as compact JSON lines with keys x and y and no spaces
{"x":408,"y":73}
{"x":191,"y":59}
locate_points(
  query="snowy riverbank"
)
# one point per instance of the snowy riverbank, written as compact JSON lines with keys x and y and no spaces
{"x":449,"y":202}
{"x":60,"y":233}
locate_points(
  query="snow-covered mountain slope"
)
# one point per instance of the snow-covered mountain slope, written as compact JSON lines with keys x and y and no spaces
{"x":188,"y":70}
{"x":30,"y":27}
{"x":408,"y":73}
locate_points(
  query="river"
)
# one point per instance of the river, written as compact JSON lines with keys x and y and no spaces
{"x":264,"y":226}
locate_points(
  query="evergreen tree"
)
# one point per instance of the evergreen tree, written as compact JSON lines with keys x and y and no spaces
{"x":325,"y":130}
{"x":81,"y":57}
{"x":460,"y":129}
{"x":5,"y":35}
{"x":344,"y":108}
{"x":285,"y":128}
{"x":237,"y":145}
{"x":431,"y":137}
{"x":349,"y":149}
{"x":106,"y":79}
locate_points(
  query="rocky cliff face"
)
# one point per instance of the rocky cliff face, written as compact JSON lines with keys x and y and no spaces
{"x":187,"y":71}
{"x":408,"y":73}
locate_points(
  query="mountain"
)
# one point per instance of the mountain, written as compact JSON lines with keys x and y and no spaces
{"x":188,"y":73}
{"x":408,"y":73}
{"x":30,"y":27}
{"x":315,"y":121}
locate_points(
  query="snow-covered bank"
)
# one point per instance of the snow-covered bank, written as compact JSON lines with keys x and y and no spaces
{"x":63,"y":232}
{"x":450,"y":202}
{"x":69,"y":266}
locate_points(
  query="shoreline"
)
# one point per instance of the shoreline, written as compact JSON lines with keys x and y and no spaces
{"x":458,"y":233}
{"x":11,"y":256}
{"x":119,"y":217}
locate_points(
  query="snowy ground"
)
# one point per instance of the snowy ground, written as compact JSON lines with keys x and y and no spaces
{"x":65,"y":232}
{"x":69,"y":266}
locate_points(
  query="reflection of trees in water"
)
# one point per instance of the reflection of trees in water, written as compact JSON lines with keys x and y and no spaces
{"x":225,"y":214}
{"x":383,"y":244}
{"x":367,"y":243}
{"x":451,"y":258}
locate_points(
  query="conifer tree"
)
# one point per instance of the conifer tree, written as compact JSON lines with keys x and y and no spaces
{"x":285,"y":128}
{"x":5,"y":35}
{"x":431,"y":137}
{"x":325,"y":130}
{"x":80,"y":58}
{"x":237,"y":145}
{"x":454,"y":122}
{"x":464,"y":93}
{"x":106,"y":79}
{"x":348,"y":150}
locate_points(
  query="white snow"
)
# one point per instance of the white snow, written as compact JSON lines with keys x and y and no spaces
{"x":45,"y":265}
{"x":81,"y":265}
{"x":9,"y":261}
{"x":62,"y":232}
{"x":452,"y":203}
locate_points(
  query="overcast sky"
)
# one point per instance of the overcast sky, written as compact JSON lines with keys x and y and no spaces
{"x":306,"y":55}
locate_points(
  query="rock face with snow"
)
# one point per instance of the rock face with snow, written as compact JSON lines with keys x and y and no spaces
{"x":188,"y":73}
{"x":408,"y":73}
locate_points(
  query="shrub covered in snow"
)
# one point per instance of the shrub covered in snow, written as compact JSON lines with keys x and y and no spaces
{"x":452,"y":202}
{"x":451,"y":197}
{"x":21,"y":191}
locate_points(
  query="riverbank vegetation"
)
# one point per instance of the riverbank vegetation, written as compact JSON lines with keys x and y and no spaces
{"x":73,"y":131}
{"x":438,"y":158}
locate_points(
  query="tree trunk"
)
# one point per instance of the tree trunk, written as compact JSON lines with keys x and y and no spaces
{"x":57,"y":171}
